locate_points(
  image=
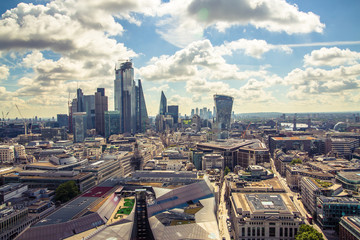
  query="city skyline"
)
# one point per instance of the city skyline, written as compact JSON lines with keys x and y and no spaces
{"x":271,"y":56}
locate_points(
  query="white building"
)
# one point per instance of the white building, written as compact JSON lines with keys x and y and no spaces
{"x":264,"y":216}
{"x":212,"y":160}
{"x":7,"y":154}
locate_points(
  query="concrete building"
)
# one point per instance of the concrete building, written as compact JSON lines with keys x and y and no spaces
{"x":63,"y":120}
{"x":312,"y":188}
{"x":264,"y":216}
{"x":294,"y":174}
{"x":11,"y":190}
{"x":7,"y":154}
{"x":212,"y":160}
{"x":302,"y":143}
{"x":349,"y":180}
{"x":349,"y":228}
{"x":238,"y":152}
{"x":255,"y":173}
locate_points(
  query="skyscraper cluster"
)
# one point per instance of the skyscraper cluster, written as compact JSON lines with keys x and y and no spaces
{"x":129,"y":100}
{"x":91,"y":111}
{"x":168,"y":116}
{"x":204,"y":113}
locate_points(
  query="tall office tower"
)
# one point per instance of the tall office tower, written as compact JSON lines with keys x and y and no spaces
{"x":63,"y":120}
{"x":72,"y":109}
{"x":112,"y":123}
{"x":214,"y":112}
{"x":79,"y":126}
{"x":142,"y":118}
{"x":201,"y":113}
{"x":101,"y":105}
{"x":192,"y":112}
{"x":80,"y":100}
{"x":197,"y":111}
{"x":129,"y":99}
{"x":173,"y":110}
{"x":223,"y":105}
{"x":89,"y":108}
{"x":163,"y":104}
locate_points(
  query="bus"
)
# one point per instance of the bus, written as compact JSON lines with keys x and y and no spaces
{"x":309,"y":219}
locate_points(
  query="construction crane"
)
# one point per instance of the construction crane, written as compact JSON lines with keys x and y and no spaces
{"x":243,"y":135}
{"x":22,"y":119}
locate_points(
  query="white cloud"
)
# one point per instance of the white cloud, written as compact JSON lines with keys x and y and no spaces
{"x":331,"y":57}
{"x":4,"y":72}
{"x":253,"y":48}
{"x":198,"y":60}
{"x":316,"y":82}
{"x":185,"y":21}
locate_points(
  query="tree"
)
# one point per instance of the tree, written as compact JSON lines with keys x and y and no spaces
{"x":66,"y":191}
{"x":296,"y":161}
{"x":226,"y":171}
{"x":307,"y":232}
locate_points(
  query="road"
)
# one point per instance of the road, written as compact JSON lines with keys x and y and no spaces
{"x":298,"y":203}
{"x":223,"y":214}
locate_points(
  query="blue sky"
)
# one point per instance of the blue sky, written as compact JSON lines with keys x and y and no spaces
{"x":270,"y":55}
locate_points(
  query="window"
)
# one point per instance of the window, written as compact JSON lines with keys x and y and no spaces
{"x":262,"y":231}
{"x":286,"y":232}
{"x":249,"y":231}
{"x":272,"y":231}
{"x":258,"y":232}
{"x":291,"y":232}
{"x":243,"y":232}
{"x":281,"y":232}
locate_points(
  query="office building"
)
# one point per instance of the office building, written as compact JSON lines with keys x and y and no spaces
{"x":163,"y":104}
{"x":349,"y":228}
{"x":142,"y":119}
{"x":129,"y":100}
{"x":89,"y":108}
{"x":302,"y":143}
{"x":212,"y":161}
{"x":173,"y":110}
{"x":80,"y":101}
{"x":331,"y":209}
{"x":312,"y":188}
{"x":79,"y":126}
{"x":101,"y":105}
{"x":223,"y":106}
{"x":349,"y":180}
{"x":112,"y":123}
{"x":63,"y":120}
{"x":264,"y":216}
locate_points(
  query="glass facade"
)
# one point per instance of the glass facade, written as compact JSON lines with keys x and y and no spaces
{"x":79,"y":125}
{"x":163,"y":104}
{"x":112,"y":123}
{"x":223,"y":105}
{"x":129,"y":100}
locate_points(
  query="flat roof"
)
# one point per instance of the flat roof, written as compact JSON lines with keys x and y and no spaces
{"x":294,"y":138}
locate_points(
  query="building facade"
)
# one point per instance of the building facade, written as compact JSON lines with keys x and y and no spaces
{"x":101,"y":106}
{"x":223,"y":105}
{"x":79,"y":126}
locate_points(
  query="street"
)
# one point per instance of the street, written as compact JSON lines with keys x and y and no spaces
{"x":222,"y":215}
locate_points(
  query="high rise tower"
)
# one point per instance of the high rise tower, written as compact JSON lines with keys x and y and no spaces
{"x":223,"y":108}
{"x":163,"y":104}
{"x":129,"y":100}
{"x":101,"y":105}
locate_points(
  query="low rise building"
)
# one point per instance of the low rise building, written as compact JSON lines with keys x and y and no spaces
{"x":349,"y":180}
{"x":212,"y":160}
{"x":331,"y":209}
{"x":311,"y":188}
{"x":7,"y":154}
{"x":264,"y":216}
{"x":255,"y":173}
{"x":294,"y":173}
{"x":349,"y":228}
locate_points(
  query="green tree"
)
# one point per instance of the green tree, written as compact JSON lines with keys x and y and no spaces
{"x":66,"y":191}
{"x":307,"y":232}
{"x":226,"y":171}
{"x":296,"y":161}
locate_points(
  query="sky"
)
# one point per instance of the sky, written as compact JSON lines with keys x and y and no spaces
{"x":270,"y":55}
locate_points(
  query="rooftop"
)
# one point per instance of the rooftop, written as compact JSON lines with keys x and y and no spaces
{"x":293,"y":138}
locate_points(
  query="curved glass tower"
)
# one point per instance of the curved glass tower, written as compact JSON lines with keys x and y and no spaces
{"x":223,"y":106}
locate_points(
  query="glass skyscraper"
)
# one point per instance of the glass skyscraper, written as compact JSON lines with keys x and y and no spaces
{"x":129,"y":100}
{"x":79,"y":126}
{"x":163,"y":104}
{"x":223,"y":106}
{"x":101,"y":105}
{"x":112,"y":123}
